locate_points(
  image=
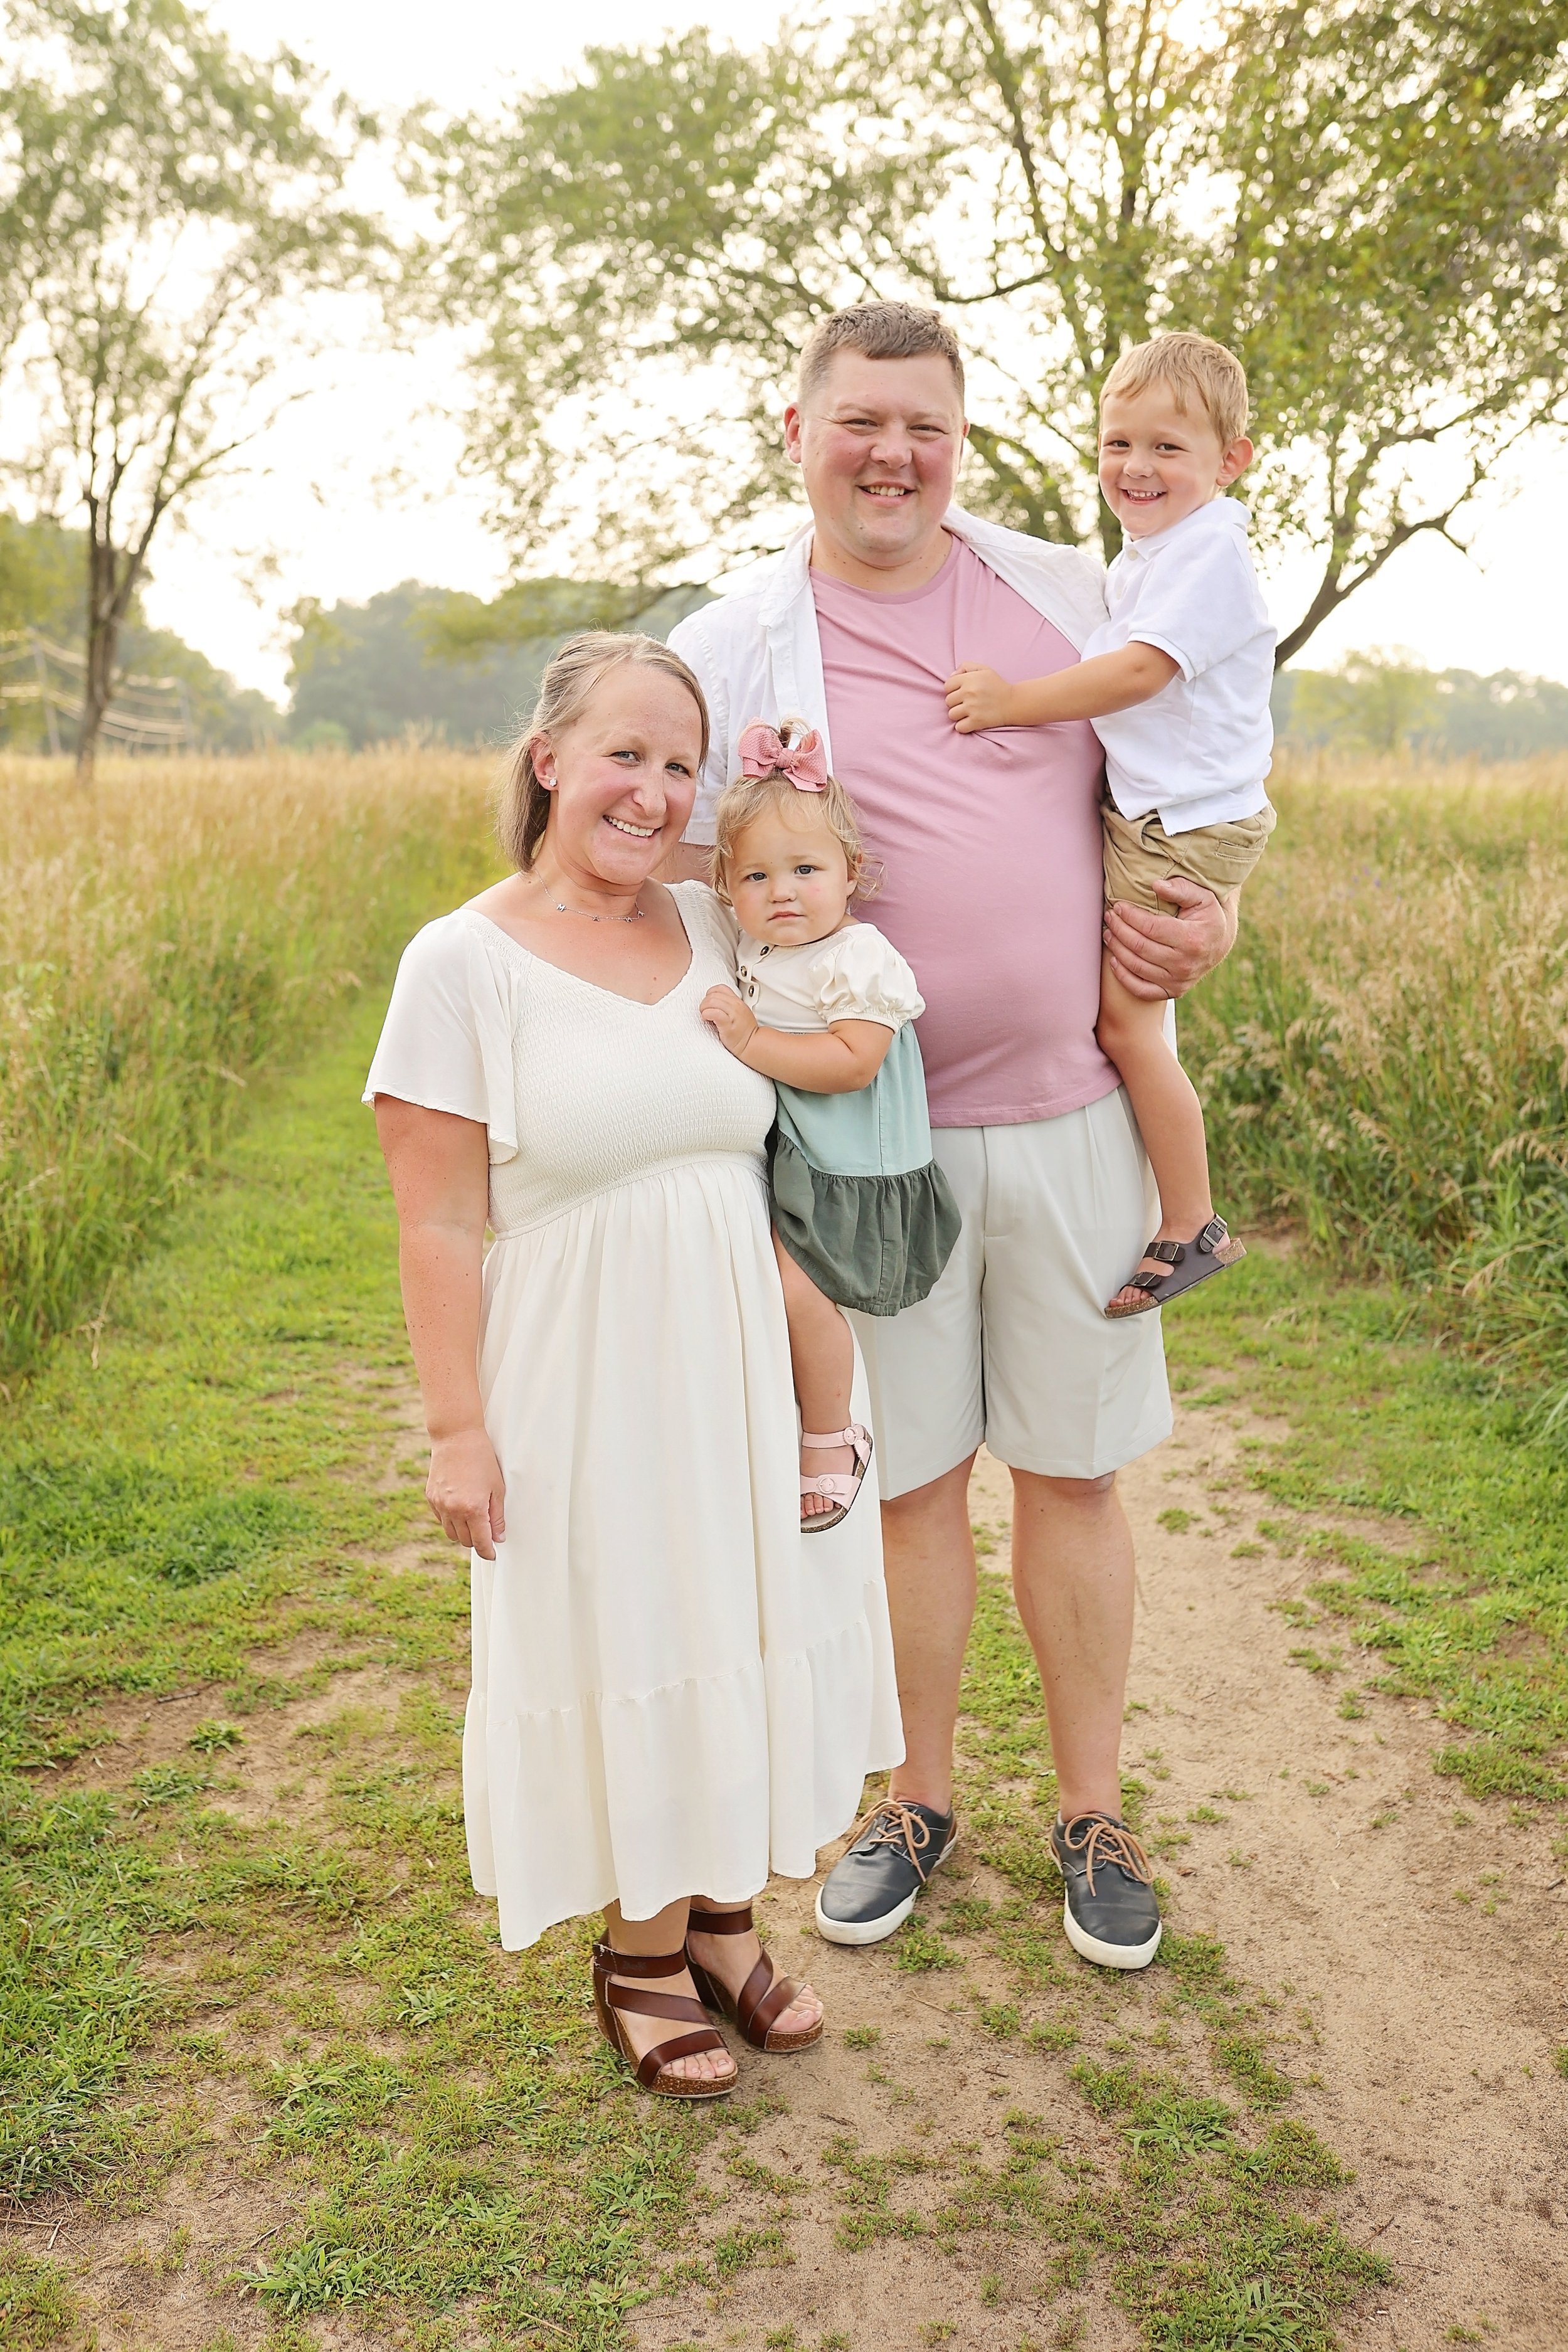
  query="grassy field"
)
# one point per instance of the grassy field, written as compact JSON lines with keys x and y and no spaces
{"x":1384,"y":1059}
{"x":160,"y":938}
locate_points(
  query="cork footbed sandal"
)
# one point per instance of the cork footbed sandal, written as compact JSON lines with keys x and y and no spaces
{"x":840,"y":1487}
{"x":652,"y":2070}
{"x":1207,"y":1252}
{"x":765,"y":1995}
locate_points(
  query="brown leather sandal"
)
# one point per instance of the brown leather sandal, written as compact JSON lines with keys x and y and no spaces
{"x":652,"y":2069}
{"x":765,"y":1995}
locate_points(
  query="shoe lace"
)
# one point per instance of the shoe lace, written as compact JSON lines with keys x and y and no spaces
{"x":890,"y":1822}
{"x":1104,"y":1841}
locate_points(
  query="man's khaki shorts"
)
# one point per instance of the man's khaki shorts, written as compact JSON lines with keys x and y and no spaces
{"x":1139,"y":853}
{"x":1013,"y":1346}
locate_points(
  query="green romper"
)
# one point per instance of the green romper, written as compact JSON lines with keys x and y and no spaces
{"x":859,"y":1201}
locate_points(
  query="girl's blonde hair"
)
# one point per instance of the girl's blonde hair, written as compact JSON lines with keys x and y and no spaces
{"x":742,"y":802}
{"x":566,"y":688}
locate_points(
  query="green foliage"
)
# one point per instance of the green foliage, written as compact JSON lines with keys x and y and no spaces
{"x":1380,"y":237}
{"x":1389,"y":701}
{"x":448,"y":665}
{"x":165,"y":195}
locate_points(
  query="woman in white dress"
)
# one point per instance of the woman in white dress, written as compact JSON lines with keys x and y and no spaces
{"x":673,"y":1694}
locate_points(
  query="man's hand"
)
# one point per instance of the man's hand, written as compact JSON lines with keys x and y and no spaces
{"x":466,"y":1491}
{"x":977,"y":698}
{"x":1156,"y":956}
{"x":735,"y":1023}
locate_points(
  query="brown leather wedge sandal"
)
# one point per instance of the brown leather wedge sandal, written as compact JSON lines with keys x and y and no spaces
{"x":765,"y":1995}
{"x":652,"y":2071}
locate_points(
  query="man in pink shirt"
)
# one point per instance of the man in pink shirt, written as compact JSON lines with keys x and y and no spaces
{"x":990,"y":845}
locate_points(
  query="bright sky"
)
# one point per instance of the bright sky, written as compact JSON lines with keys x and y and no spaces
{"x":358,"y":488}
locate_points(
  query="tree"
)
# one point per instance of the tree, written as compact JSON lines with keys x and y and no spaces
{"x":177,"y":199}
{"x":1367,"y":202}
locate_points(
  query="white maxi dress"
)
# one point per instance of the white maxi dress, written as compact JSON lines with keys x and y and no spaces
{"x":674,"y":1690}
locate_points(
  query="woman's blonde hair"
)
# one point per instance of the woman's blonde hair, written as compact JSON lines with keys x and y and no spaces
{"x":523,"y":810}
{"x":742,"y":802}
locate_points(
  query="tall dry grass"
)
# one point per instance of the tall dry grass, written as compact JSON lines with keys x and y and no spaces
{"x":160,"y":940}
{"x":1384,"y":1057}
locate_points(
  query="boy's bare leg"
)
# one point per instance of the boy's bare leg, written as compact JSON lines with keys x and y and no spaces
{"x":1132,"y":1034}
{"x":928,"y":1548}
{"x":822,"y":1357}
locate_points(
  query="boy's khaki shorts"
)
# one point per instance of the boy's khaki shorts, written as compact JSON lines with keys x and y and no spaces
{"x":1139,"y":853}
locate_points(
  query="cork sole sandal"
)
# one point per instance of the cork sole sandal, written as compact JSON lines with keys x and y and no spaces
{"x":652,"y":2069}
{"x":839,"y":1487}
{"x":1207,"y":1252}
{"x":765,"y":1995}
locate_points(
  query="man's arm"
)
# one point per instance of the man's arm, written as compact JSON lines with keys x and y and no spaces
{"x":1156,"y":956}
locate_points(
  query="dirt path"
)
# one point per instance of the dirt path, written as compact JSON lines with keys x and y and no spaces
{"x":1419,"y":2029}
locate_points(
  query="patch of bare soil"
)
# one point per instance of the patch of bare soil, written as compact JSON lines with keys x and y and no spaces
{"x":1327,"y":1855}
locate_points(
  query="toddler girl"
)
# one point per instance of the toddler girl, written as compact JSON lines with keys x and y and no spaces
{"x":862,"y":1215}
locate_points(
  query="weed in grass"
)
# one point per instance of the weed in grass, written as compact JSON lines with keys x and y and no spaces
{"x":1351,"y":1707}
{"x":917,"y":1947}
{"x":862,"y":2037}
{"x":1177,"y":1520}
{"x":1560,"y":2058}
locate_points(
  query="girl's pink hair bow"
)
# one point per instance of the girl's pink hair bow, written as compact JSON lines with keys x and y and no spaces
{"x":764,"y":753}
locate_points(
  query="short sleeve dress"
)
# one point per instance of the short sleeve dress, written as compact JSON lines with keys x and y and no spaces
{"x":673,"y":1694}
{"x":858,"y":1199}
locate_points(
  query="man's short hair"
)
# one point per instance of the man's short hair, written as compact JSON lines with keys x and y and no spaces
{"x":878,"y":331}
{"x":1195,"y":370}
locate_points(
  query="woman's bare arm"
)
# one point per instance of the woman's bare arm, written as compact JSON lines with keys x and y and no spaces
{"x":836,"y":1061}
{"x":439,"y":1166}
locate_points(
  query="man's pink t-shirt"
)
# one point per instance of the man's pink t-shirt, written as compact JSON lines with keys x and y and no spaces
{"x":993,"y":881}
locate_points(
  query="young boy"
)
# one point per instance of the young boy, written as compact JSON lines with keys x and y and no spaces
{"x":1176,"y":682}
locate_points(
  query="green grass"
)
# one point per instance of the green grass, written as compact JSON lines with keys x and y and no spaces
{"x":1464,"y":1603}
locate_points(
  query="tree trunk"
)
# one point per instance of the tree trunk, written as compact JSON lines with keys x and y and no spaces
{"x":103,"y":616}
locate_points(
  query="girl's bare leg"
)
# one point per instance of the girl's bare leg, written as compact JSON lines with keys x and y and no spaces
{"x":822,"y":1357}
{"x":664,"y":1932}
{"x":1132,"y":1034}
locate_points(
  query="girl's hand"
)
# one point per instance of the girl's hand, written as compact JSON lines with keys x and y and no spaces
{"x":735,"y":1023}
{"x":466,"y":1491}
{"x":976,"y":698}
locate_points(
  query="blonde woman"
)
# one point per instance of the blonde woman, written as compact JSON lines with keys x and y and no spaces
{"x":671,"y":1694}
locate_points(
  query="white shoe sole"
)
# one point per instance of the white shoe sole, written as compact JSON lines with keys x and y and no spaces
{"x":1109,"y":1956}
{"x":875,"y":1931}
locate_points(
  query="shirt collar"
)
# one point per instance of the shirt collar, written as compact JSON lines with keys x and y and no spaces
{"x":1214,"y":514}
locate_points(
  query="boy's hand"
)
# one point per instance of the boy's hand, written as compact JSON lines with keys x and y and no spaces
{"x":734,"y":1024}
{"x":977,"y":698}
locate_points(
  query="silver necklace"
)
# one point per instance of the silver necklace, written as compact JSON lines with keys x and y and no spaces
{"x":562,"y":909}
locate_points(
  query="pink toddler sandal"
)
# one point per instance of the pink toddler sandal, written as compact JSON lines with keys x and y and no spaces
{"x":840,"y":1487}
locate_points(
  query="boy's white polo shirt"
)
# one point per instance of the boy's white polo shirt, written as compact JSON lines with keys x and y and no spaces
{"x":1199,"y":750}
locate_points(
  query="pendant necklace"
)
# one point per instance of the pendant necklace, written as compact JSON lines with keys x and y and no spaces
{"x":562,"y":909}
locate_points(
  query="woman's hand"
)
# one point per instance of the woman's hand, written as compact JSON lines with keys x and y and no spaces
{"x":735,"y":1023}
{"x":466,"y":1491}
{"x":977,"y":698}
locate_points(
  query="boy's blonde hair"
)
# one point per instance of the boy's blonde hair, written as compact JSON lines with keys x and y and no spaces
{"x":564,"y":691}
{"x":1198,"y":371}
{"x":742,"y":802}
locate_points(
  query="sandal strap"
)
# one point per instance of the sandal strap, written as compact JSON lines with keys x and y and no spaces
{"x":1168,"y":1253}
{"x":856,"y":1436}
{"x":679,"y":2045}
{"x":764,"y":1996}
{"x":1212,"y":1233}
{"x":611,"y":1963}
{"x":838,"y":1485}
{"x":736,"y":1922}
